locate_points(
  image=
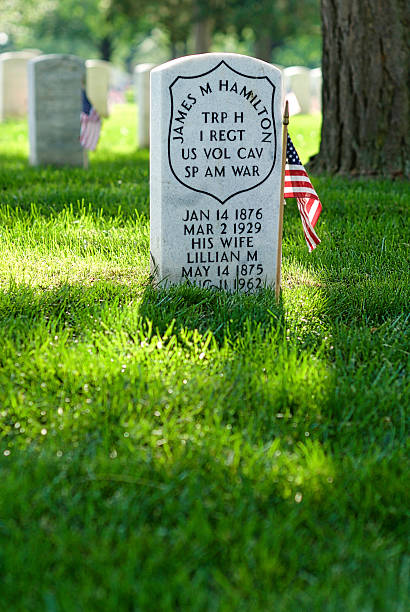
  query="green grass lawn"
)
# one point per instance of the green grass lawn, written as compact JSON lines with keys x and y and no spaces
{"x":190,"y":449}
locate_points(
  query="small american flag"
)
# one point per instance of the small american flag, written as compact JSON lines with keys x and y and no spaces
{"x":90,"y":124}
{"x":298,"y":185}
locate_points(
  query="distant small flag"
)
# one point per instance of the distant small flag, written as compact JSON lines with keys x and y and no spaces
{"x":90,"y":124}
{"x":298,"y":185}
{"x":116,"y":96}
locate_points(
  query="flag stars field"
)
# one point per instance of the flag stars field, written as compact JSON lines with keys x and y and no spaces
{"x":198,"y":449}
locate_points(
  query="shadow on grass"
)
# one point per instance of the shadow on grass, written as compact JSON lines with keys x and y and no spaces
{"x":201,"y":524}
{"x":77,"y":307}
{"x":224,"y":314}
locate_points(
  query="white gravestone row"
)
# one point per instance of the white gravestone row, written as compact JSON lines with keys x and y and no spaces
{"x":216,"y":151}
{"x":33,"y":52}
{"x":13,"y":83}
{"x":55,"y":105}
{"x":142,"y":97}
{"x":119,"y":79}
{"x":98,"y":84}
{"x":297,"y":81}
{"x":316,"y":90}
{"x":304,"y":89}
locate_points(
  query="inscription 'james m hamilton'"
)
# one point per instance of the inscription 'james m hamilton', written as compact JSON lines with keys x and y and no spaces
{"x":222,"y":138}
{"x":215,"y":171}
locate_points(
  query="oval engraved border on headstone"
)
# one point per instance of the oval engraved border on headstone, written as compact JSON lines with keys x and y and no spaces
{"x":215,"y":143}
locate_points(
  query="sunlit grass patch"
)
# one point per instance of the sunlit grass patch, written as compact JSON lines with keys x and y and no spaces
{"x":71,"y":246}
{"x":305,"y":133}
{"x":295,"y":275}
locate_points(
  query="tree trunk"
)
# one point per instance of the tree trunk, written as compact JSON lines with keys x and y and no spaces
{"x":263,"y":47}
{"x":173,"y":49}
{"x":203,"y":35}
{"x":365,"y":90}
{"x":106,"y":48}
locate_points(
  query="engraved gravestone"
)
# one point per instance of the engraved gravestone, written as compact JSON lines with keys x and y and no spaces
{"x":55,"y":83}
{"x":216,"y":149}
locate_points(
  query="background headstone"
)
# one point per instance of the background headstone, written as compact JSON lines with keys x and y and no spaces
{"x":119,"y":83}
{"x":13,"y":83}
{"x":297,"y":81}
{"x":142,"y":74}
{"x":119,"y":79}
{"x":316,"y":90}
{"x":216,"y":150}
{"x":33,"y":52}
{"x":55,"y":106}
{"x":294,"y":106}
{"x":97,"y":84}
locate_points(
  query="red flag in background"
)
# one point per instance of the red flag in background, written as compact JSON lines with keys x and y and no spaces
{"x":90,"y":124}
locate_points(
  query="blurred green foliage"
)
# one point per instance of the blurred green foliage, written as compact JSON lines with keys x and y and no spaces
{"x":124,"y":31}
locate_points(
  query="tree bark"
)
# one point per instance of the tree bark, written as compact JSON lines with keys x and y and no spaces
{"x":263,"y":47}
{"x":203,"y":35}
{"x":173,"y":49}
{"x":106,"y":48}
{"x":365,"y":93}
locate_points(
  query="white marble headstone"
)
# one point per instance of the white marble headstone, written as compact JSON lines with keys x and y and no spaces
{"x":119,"y":79}
{"x":13,"y":83}
{"x":55,"y":83}
{"x":316,"y":90}
{"x":216,"y":149}
{"x":297,"y":81}
{"x":33,"y":52}
{"x":142,"y":97}
{"x":97,"y":84}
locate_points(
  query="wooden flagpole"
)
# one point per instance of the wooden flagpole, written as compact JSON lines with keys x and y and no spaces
{"x":282,"y":201}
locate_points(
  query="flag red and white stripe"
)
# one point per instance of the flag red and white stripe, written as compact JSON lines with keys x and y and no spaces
{"x":90,"y":124}
{"x":90,"y":129}
{"x":298,"y":185}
